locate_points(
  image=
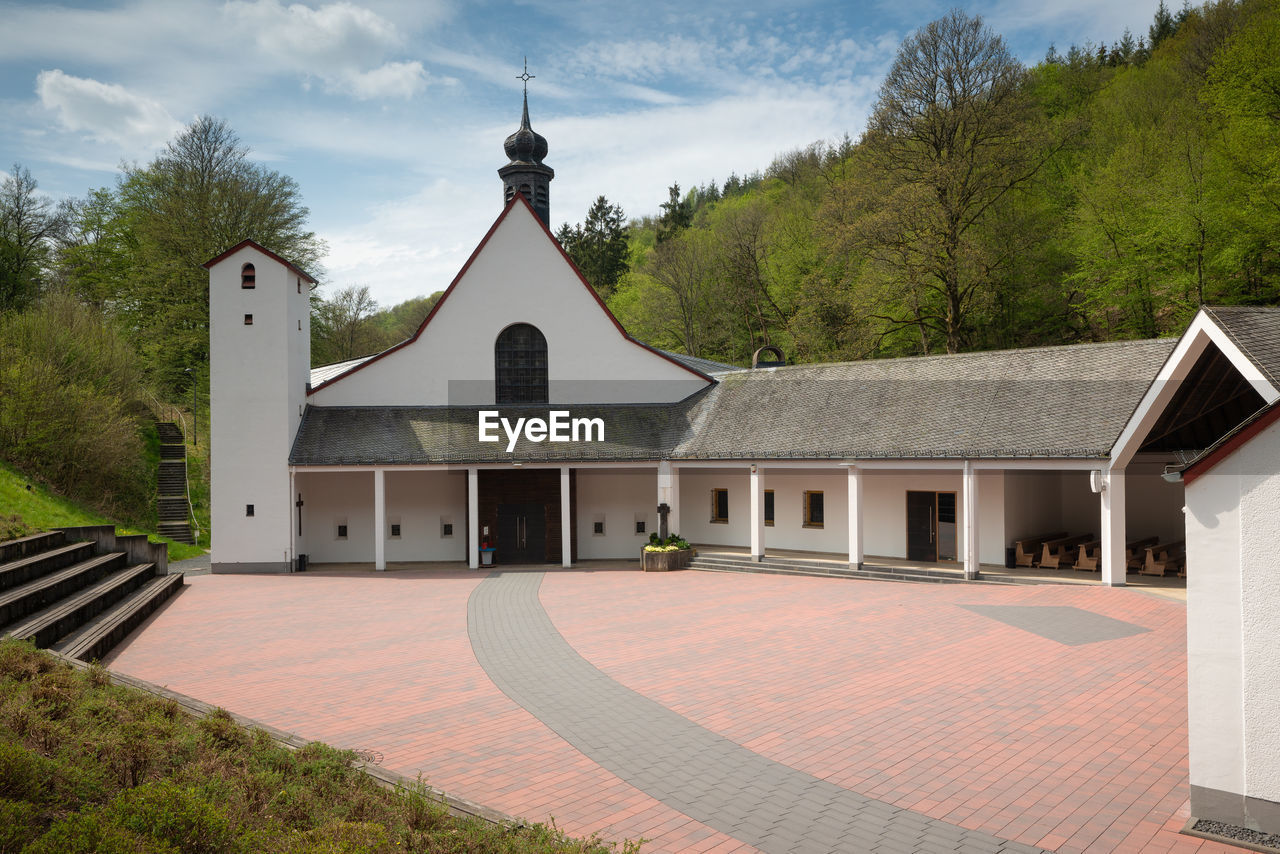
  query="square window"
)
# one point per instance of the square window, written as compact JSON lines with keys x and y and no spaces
{"x":597,"y":528}
{"x":446,"y":529}
{"x":395,"y":530}
{"x":813,"y":510}
{"x":768,"y":507}
{"x":640,"y":527}
{"x":342,"y":532}
{"x":248,"y":510}
{"x":720,"y":505}
{"x":248,"y":320}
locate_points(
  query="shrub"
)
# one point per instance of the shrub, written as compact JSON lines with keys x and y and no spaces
{"x":19,"y":823}
{"x":90,"y":833}
{"x":177,"y":816}
{"x":69,"y":405}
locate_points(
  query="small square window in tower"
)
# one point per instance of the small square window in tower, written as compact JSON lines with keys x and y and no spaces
{"x":248,"y":320}
{"x":248,"y":510}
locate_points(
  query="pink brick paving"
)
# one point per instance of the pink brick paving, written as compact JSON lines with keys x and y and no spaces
{"x":889,"y":690}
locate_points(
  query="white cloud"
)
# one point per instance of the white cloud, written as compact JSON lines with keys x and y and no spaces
{"x":105,"y":111}
{"x":342,"y":44}
{"x":392,"y":80}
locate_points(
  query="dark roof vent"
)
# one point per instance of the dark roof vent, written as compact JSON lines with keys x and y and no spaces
{"x":779,"y":362}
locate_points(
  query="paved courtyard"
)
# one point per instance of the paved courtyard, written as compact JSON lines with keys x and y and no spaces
{"x":720,"y":712}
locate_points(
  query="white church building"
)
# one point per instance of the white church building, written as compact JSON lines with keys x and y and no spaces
{"x":522,"y":423}
{"x":404,"y":456}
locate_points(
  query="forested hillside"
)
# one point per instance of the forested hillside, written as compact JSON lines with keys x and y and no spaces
{"x":1105,"y":193}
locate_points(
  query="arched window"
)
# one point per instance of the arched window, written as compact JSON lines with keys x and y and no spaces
{"x":248,"y":279}
{"x":520,"y":365}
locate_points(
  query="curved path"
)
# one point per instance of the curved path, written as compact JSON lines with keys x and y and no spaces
{"x":756,"y":800}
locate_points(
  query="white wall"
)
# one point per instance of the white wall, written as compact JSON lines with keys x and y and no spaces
{"x":616,"y":497}
{"x":1233,"y":627}
{"x":257,"y":378}
{"x":417,"y":500}
{"x":884,"y":513}
{"x":1033,"y":503}
{"x":520,"y":276}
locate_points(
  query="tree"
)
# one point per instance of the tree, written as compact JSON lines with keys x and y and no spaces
{"x":599,"y":246}
{"x":1162,"y":27}
{"x":199,"y":197}
{"x":29,"y":224}
{"x":341,"y":327}
{"x":953,"y":134}
{"x":677,"y":214}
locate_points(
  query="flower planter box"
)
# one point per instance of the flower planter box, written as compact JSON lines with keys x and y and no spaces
{"x":665,"y":561}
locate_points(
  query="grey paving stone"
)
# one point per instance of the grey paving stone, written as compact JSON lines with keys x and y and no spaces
{"x":736,"y":791}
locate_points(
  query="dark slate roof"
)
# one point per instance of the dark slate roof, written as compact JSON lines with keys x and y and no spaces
{"x":706,"y":366}
{"x":1048,"y":402}
{"x":1256,"y":331}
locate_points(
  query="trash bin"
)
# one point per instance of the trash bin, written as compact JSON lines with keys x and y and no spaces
{"x":1010,"y":558}
{"x":302,"y":563}
{"x":486,"y":557}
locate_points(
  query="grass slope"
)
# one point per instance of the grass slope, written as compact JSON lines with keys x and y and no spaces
{"x":40,"y":509}
{"x":89,"y":767}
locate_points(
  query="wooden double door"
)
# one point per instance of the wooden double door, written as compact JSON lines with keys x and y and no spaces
{"x":932,"y":534}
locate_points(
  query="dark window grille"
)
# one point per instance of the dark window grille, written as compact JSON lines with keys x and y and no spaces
{"x":248,"y":510}
{"x":342,"y":532}
{"x":719,"y":505}
{"x":395,"y":530}
{"x":446,"y":530}
{"x":520,"y":365}
{"x":640,"y":527}
{"x":598,"y":527}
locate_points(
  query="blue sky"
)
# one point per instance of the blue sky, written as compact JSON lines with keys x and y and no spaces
{"x":391,"y":114}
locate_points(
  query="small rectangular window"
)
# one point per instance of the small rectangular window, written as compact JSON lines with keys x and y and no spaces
{"x":299,"y":285}
{"x":342,"y":532}
{"x":395,"y":530}
{"x":813,"y":515}
{"x":446,"y":529}
{"x":248,"y":510}
{"x":597,"y":528}
{"x":720,"y":505}
{"x":768,"y":507}
{"x":248,"y":320}
{"x":640,"y":527}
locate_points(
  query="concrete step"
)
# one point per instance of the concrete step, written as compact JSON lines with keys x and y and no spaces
{"x":800,"y":566}
{"x":179,"y":532}
{"x":169,"y":432}
{"x":18,"y":572}
{"x":100,"y":635}
{"x":11,"y":550}
{"x":24,"y":600}
{"x":65,"y":616}
{"x":173,"y":452}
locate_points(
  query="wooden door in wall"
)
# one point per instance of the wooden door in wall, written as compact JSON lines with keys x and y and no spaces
{"x":932,"y":533}
{"x":522,"y":533}
{"x":922,"y":514}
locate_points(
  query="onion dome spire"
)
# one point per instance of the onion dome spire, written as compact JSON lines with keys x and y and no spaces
{"x":525,"y":172}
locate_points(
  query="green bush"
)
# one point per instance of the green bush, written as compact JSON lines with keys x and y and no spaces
{"x":70,"y":411}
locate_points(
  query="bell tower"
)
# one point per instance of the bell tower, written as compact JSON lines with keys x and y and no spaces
{"x":525,"y":172}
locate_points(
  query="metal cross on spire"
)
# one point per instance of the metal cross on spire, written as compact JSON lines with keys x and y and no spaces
{"x":526,"y":77}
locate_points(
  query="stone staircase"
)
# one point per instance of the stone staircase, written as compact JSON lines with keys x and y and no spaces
{"x":80,"y":591}
{"x":172,"y":508}
{"x":799,"y":566}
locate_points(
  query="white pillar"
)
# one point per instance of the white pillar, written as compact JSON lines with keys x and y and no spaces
{"x":379,"y":519}
{"x":473,"y":518}
{"x":856,"y":557}
{"x":566,"y":523}
{"x":664,"y":493}
{"x":295,"y":537}
{"x":1113,"y":533}
{"x":673,"y":518}
{"x":757,"y":513}
{"x":970,"y":521}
